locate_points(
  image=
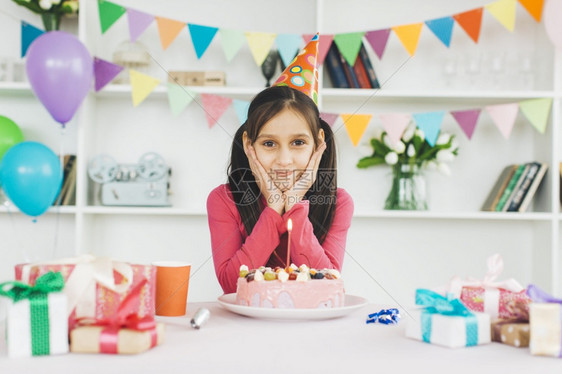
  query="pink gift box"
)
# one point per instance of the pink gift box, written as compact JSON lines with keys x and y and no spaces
{"x":95,"y":287}
{"x":507,"y":304}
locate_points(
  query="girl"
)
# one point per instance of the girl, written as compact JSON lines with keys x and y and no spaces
{"x":283,"y":165}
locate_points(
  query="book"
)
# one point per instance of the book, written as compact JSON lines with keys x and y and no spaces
{"x":533,"y":187}
{"x":520,"y":192}
{"x":69,"y":197}
{"x":335,"y":68}
{"x":68,"y":163}
{"x":498,"y":188}
{"x":509,"y":188}
{"x":361,"y":74}
{"x":347,"y":70}
{"x":520,"y":180}
{"x":364,"y":56}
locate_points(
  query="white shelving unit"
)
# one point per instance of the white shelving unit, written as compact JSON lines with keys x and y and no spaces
{"x":389,"y":254}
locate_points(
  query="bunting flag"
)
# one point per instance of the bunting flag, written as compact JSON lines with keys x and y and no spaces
{"x":430,"y":124}
{"x":537,"y":111}
{"x":504,"y":12}
{"x":324,"y":43}
{"x":442,"y":28}
{"x":109,"y":14}
{"x":378,"y":40}
{"x":138,"y":22}
{"x":232,"y":41}
{"x":179,"y":97}
{"x":141,"y":86}
{"x":241,"y":107}
{"x":214,"y":107}
{"x":201,"y":36}
{"x":330,"y":118}
{"x":260,"y":44}
{"x":28,"y":34}
{"x":534,"y":7}
{"x":356,"y":124}
{"x":470,"y":22}
{"x":395,"y":124}
{"x":467,"y":120}
{"x":349,"y":45}
{"x":288,"y":46}
{"x":503,"y":116}
{"x":409,"y":35}
{"x":168,"y":30}
{"x":104,"y":72}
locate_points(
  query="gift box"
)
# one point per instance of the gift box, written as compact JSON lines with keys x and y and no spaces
{"x":496,"y":298}
{"x":36,"y":322}
{"x":512,"y":333}
{"x":96,"y":286}
{"x":447,"y":322}
{"x":545,"y":318}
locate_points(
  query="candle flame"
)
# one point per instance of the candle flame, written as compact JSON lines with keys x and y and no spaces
{"x":289,"y":224}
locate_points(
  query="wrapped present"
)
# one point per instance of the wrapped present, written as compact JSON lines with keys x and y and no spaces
{"x":36,"y":322}
{"x":545,"y":319}
{"x":95,"y":286}
{"x":496,"y":298}
{"x":122,"y":333}
{"x":510,"y":332}
{"x":447,"y":322}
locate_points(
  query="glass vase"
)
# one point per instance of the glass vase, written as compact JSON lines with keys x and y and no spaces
{"x":408,"y":190}
{"x":51,"y":21}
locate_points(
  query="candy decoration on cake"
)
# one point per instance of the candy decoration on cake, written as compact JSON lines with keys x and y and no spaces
{"x":302,"y":73}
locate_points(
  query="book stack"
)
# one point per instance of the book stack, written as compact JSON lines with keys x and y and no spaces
{"x":67,"y":194}
{"x":515,"y":187}
{"x":343,"y":75}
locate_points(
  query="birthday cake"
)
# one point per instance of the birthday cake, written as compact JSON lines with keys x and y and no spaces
{"x":291,"y":288}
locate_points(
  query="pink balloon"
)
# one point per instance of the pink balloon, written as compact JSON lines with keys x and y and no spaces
{"x":552,"y":12}
{"x":60,"y":70}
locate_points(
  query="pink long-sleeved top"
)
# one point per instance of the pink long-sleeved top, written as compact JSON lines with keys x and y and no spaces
{"x":267,"y":244}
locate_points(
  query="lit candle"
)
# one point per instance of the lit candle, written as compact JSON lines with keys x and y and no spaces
{"x":289,"y":229}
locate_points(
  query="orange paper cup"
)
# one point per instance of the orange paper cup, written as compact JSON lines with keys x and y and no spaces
{"x":172,"y":283}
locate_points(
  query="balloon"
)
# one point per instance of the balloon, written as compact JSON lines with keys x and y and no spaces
{"x":551,"y":13}
{"x":31,"y":177}
{"x":10,"y":134}
{"x":60,"y":70}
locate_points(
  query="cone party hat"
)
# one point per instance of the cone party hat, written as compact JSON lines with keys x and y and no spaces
{"x":302,"y":72}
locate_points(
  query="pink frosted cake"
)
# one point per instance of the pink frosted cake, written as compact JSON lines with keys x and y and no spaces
{"x":296,"y":288}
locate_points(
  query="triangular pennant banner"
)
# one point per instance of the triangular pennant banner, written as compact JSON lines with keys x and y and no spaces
{"x":378,"y":40}
{"x":537,"y":111}
{"x":179,"y":97}
{"x":504,"y":12}
{"x":260,"y":44}
{"x":470,"y":22}
{"x":241,"y":107}
{"x":324,"y":43}
{"x":430,"y":124}
{"x":232,"y":41}
{"x":141,"y":86}
{"x":330,"y":118}
{"x":349,"y":45}
{"x":395,"y":124}
{"x":467,"y":120}
{"x":201,"y":36}
{"x":503,"y":116}
{"x":409,"y":35}
{"x":288,"y":46}
{"x":109,"y":14}
{"x":214,"y":107}
{"x":168,"y":29}
{"x":442,"y":28}
{"x":104,"y":72}
{"x":534,"y":7}
{"x":356,"y":124}
{"x":138,"y":22}
{"x":28,"y":34}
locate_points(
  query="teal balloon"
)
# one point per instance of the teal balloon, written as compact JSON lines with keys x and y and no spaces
{"x":10,"y":134}
{"x":31,"y":177}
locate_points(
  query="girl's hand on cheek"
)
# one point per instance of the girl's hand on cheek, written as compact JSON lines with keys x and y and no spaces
{"x":305,"y":180}
{"x":274,"y":197}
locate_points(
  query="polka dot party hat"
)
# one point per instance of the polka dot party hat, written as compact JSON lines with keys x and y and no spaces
{"x":302,"y":72}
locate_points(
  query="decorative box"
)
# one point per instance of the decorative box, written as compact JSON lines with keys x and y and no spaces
{"x":446,"y":322}
{"x":96,"y":286}
{"x":516,"y":334}
{"x":36,"y":322}
{"x":198,"y":78}
{"x":545,"y":318}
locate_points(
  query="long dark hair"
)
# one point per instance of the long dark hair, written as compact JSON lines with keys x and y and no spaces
{"x":245,"y":191}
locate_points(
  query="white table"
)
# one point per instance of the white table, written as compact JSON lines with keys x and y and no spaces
{"x":230,"y":343}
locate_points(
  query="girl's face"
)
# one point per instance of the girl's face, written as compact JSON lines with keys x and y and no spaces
{"x":284,"y":146}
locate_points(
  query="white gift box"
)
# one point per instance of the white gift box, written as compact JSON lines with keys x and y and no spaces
{"x":448,"y":331}
{"x":546,"y":329}
{"x":18,"y":325}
